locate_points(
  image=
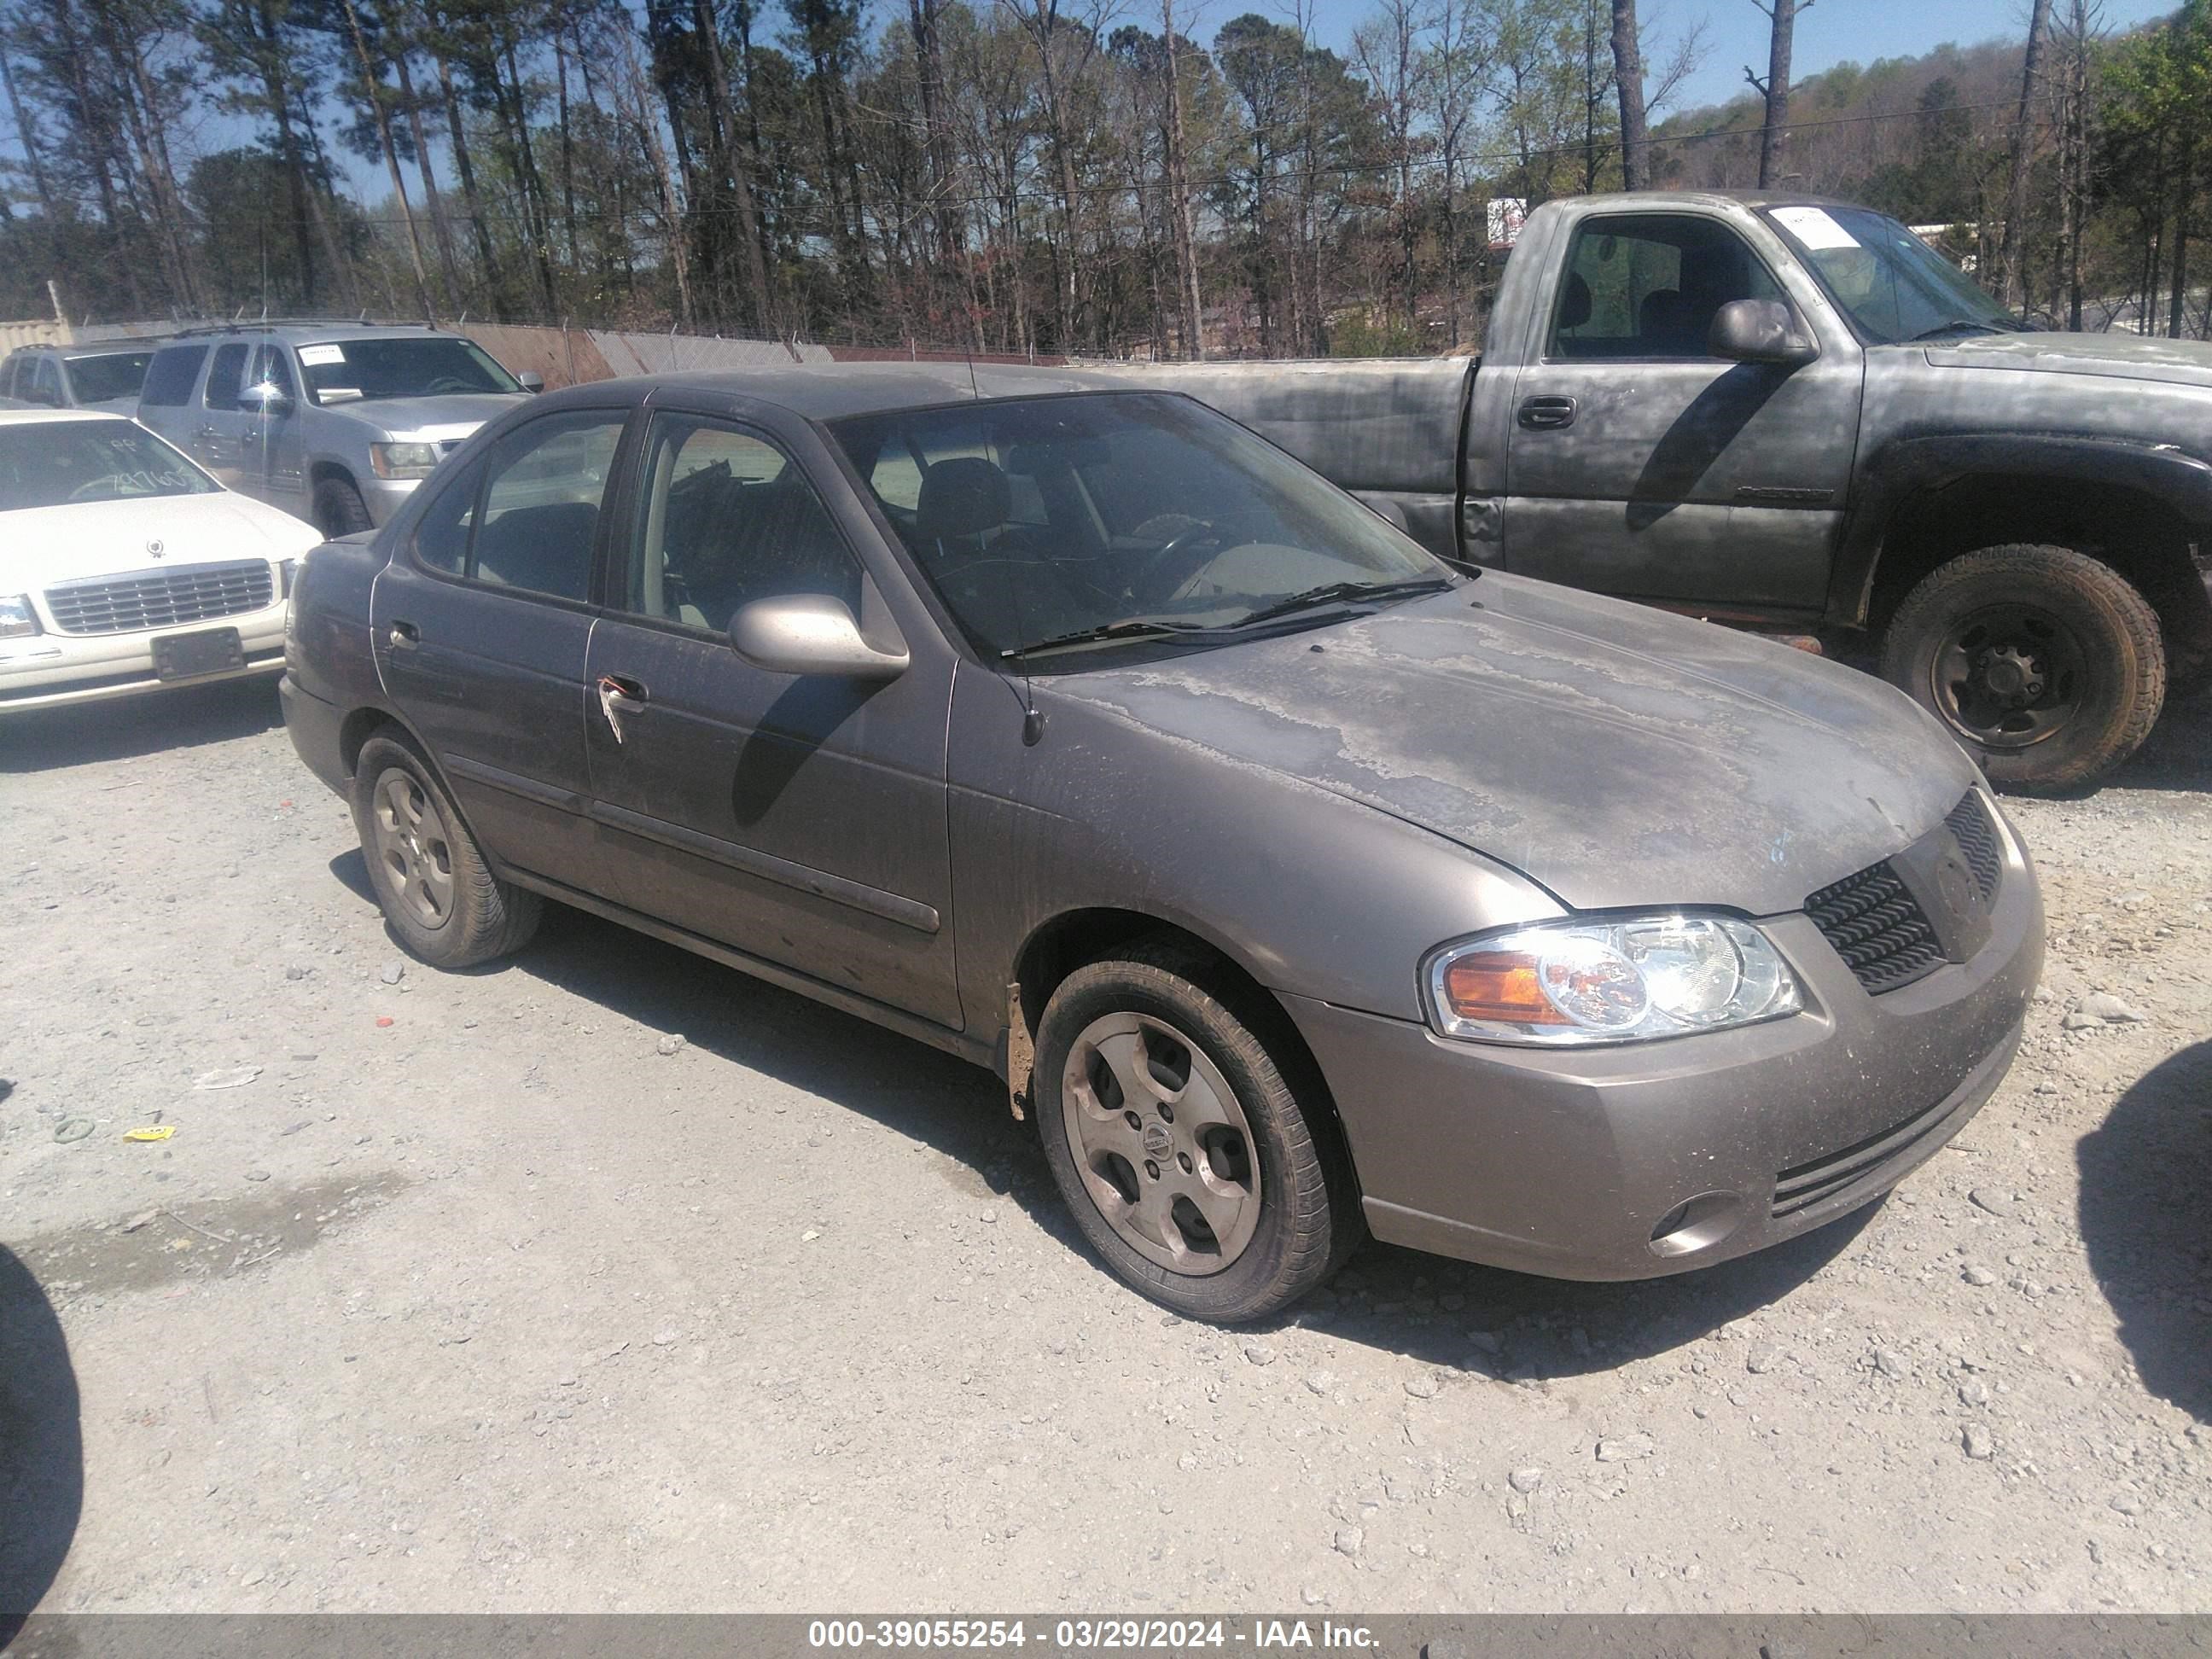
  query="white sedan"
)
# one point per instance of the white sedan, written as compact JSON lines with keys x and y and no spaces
{"x":125,"y":569}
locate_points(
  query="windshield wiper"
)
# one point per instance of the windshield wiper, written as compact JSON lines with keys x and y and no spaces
{"x":1336,"y":593}
{"x":1130,"y":628}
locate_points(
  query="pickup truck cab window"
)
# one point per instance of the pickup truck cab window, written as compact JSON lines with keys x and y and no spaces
{"x":1647,"y":286}
{"x":527,"y":516}
{"x":727,"y":517}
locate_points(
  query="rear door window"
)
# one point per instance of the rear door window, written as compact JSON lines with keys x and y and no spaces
{"x":225,"y":377}
{"x":527,"y":516}
{"x":169,"y":378}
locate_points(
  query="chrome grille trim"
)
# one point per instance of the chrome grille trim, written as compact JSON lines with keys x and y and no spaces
{"x":147,"y":599}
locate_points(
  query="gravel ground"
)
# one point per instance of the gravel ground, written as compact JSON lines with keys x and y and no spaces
{"x":484,"y":1292}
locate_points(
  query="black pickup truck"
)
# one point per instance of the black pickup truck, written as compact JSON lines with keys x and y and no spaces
{"x":1794,"y":414}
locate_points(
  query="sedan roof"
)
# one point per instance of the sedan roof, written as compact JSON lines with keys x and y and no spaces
{"x":829,"y":392}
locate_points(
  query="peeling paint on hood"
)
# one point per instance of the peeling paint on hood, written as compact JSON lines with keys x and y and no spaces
{"x":1617,"y":755}
{"x":2119,"y":357}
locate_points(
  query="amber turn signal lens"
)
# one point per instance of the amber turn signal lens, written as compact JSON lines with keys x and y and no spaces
{"x":1499,"y":984}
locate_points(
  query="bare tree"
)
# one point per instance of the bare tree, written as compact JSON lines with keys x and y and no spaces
{"x":1628,"y":83}
{"x":2012,"y":259}
{"x":1775,"y":89}
{"x":1179,"y":209}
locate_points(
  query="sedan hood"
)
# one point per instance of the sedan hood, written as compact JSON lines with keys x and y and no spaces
{"x":452,"y":416}
{"x":48,"y":545}
{"x":2114,"y":356}
{"x":1616,"y":754}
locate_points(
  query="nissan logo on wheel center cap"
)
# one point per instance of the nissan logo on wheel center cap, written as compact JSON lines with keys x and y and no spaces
{"x":1158,"y":1143}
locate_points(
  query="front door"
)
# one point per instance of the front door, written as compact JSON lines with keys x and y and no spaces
{"x":483,"y":624}
{"x":275,"y":438}
{"x":220,"y":426}
{"x":1641,"y":466}
{"x":797,"y":819}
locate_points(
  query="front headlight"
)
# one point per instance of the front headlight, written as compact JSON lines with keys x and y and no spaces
{"x":403,"y":460}
{"x":1570,"y":983}
{"x":16,"y":618}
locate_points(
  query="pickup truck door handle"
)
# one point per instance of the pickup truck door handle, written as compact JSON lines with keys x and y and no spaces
{"x":405,"y":636}
{"x":618,"y":695}
{"x":1547,"y":414}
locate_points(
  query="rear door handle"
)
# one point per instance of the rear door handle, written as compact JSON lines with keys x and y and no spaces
{"x":405,"y":636}
{"x":618,"y":695}
{"x":1548,"y":414}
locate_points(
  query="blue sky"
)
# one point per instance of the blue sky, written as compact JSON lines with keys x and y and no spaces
{"x":1831,"y":32}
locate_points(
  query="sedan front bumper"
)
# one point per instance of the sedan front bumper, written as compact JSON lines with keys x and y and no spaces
{"x":48,"y":670}
{"x":1651,"y":1158}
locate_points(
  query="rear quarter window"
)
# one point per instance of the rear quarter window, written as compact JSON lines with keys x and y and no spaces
{"x":169,"y":378}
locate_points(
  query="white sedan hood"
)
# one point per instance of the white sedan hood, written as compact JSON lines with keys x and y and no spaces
{"x":41,"y":545}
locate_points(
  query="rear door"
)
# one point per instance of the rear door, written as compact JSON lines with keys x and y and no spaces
{"x":1639,"y":464}
{"x":482,"y":624}
{"x":801,"y":820}
{"x":165,"y":402}
{"x":219,"y":439}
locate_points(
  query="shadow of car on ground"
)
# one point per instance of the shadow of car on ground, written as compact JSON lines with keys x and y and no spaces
{"x":41,"y":1446}
{"x":2148,"y":1223}
{"x":123,"y":728}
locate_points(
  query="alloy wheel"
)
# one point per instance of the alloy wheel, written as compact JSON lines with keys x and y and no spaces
{"x":413,"y":846}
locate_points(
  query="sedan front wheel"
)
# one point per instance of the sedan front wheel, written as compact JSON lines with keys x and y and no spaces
{"x":1192,"y":1166}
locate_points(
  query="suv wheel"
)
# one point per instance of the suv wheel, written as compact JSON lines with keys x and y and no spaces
{"x":339,"y":509}
{"x":1191,"y":1164}
{"x":437,"y":893}
{"x":2047,"y":664}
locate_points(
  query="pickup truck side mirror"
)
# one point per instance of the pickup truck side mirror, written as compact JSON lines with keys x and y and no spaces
{"x":811,"y":633}
{"x":1761,"y":331}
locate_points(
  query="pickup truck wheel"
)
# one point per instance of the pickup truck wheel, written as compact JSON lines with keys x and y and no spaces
{"x":440,"y":899}
{"x":1180,"y":1146}
{"x":338,"y":509}
{"x":2047,"y":665}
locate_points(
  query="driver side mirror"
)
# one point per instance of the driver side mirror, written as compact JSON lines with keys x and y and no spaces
{"x":265,"y":399}
{"x":1761,"y":331}
{"x":811,"y":633}
{"x":530,"y":380}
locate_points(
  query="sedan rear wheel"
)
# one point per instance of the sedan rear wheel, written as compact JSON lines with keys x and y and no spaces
{"x":440,"y":896}
{"x":1192,"y":1139}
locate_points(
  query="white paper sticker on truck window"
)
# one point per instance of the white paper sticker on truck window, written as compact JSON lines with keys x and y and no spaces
{"x":1813,"y":227}
{"x":315,"y":356}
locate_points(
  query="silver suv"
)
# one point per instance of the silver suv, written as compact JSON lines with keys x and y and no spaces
{"x":336,"y":423}
{"x":102,"y":374}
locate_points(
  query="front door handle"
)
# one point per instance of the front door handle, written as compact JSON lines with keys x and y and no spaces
{"x":619,"y":695}
{"x":1548,"y":414}
{"x":405,"y":636}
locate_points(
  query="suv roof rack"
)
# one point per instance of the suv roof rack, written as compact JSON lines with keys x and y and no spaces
{"x":241,"y":325}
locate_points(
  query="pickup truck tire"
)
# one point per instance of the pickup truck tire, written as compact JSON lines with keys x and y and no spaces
{"x":439,"y":898}
{"x":2048,"y":665}
{"x":338,"y":508}
{"x":1205,"y":1116}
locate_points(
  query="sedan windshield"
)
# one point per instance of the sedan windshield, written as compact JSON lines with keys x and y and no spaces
{"x":1052,"y":524}
{"x":1896,"y":286}
{"x":430,"y":365}
{"x":109,"y":377}
{"x":48,"y":462}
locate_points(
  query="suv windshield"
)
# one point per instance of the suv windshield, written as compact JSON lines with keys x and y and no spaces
{"x":46,"y":463}
{"x":1054,"y":522}
{"x":1895,"y":286}
{"x":424,"y":367}
{"x":110,"y":376}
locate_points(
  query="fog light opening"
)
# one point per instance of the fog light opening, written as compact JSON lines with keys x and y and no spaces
{"x":1698,"y":1223}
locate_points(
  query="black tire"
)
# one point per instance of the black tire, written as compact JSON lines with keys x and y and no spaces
{"x":477,"y":916}
{"x":1309,"y":1218}
{"x":338,"y":508}
{"x":2047,"y":666}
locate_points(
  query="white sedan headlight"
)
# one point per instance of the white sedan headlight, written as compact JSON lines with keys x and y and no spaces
{"x":16,"y":617}
{"x":1568,"y":983}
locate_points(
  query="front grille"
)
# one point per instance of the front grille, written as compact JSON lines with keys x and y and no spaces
{"x":1969,"y":824}
{"x":1808,"y":1183}
{"x":1878,"y":929}
{"x":160,"y":598}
